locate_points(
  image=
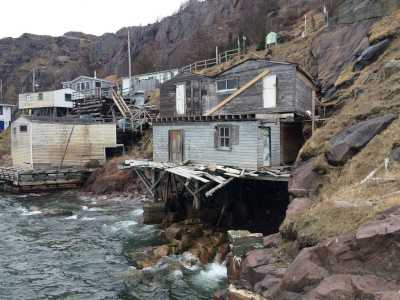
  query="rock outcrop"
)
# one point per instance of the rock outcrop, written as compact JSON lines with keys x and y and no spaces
{"x":391,"y":68}
{"x":351,"y":140}
{"x":302,"y":185}
{"x":360,"y":265}
{"x":370,"y":54}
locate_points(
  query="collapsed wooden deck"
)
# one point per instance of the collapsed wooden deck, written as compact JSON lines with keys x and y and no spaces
{"x":14,"y":179}
{"x":198,"y":178}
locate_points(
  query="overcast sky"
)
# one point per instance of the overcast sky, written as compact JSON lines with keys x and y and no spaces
{"x":54,"y":18}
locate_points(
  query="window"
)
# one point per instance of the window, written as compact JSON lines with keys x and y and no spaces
{"x":81,"y":86}
{"x":1,"y":110}
{"x":228,"y":85}
{"x":222,"y":138}
{"x":23,"y":128}
{"x":68,"y":96}
{"x":98,"y":84}
{"x":28,"y":98}
{"x":67,"y":86}
{"x":40,"y":96}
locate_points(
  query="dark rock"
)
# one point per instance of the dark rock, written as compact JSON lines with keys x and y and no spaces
{"x":233,"y":267}
{"x":351,"y":140}
{"x":170,"y":219}
{"x":391,"y":68}
{"x":329,"y":59}
{"x":370,"y":54}
{"x":396,"y":155}
{"x":55,"y":212}
{"x":292,"y":249}
{"x":304,"y":180}
{"x":221,"y":294}
{"x":272,"y":241}
{"x":297,"y":205}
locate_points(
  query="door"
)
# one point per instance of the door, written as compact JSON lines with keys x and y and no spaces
{"x":175,"y":146}
{"x":267,"y":147}
{"x":180,"y":99}
{"x":269,"y":91}
{"x":1,"y":125}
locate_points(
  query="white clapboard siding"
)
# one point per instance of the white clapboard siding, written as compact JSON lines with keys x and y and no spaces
{"x":198,"y":139}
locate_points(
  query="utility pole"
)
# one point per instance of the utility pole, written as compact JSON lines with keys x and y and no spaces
{"x":129,"y":56}
{"x":33,"y":80}
{"x":1,"y":89}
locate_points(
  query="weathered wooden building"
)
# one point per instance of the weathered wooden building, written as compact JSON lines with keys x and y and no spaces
{"x":52,"y":103}
{"x":47,"y":142}
{"x":248,"y":116}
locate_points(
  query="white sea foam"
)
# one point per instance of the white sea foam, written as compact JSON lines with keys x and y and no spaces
{"x":31,"y":213}
{"x":84,"y":207}
{"x":211,"y":275}
{"x":74,"y":217}
{"x":189,"y":261}
{"x":87,"y":219}
{"x":137,"y":212}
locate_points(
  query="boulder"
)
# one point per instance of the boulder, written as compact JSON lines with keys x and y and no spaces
{"x":272,"y":241}
{"x":351,"y":140}
{"x":370,"y":55}
{"x":304,"y":180}
{"x":223,"y":251}
{"x":391,"y":68}
{"x":173,"y":233}
{"x":396,"y":155}
{"x":56,"y":212}
{"x":297,"y":205}
{"x":162,"y":251}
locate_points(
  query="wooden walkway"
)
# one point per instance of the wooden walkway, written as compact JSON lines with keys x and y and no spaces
{"x":18,"y":180}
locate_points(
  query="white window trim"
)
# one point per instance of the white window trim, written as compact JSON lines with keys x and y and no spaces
{"x":226,"y":90}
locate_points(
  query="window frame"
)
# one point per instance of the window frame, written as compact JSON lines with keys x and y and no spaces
{"x":23,"y":127}
{"x":66,"y":98}
{"x":226,"y":90}
{"x":28,"y":98}
{"x":218,"y":137}
{"x":40,"y":96}
{"x":1,"y":110}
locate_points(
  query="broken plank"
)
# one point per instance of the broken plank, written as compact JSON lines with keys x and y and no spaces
{"x":212,"y":191}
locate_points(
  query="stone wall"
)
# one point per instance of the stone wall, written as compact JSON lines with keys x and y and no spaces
{"x":372,"y":10}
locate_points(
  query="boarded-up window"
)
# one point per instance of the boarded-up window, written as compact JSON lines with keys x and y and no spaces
{"x":180,"y":99}
{"x":40,"y":96}
{"x":23,"y":128}
{"x":269,"y":91}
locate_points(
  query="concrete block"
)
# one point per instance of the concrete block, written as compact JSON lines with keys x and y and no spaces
{"x":150,"y":207}
{"x":241,"y":250}
{"x":153,"y":217}
{"x":243,"y":237}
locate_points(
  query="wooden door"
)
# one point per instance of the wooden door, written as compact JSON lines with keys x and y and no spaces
{"x":266,"y":147}
{"x":269,"y":91}
{"x":175,"y":146}
{"x":180,"y":99}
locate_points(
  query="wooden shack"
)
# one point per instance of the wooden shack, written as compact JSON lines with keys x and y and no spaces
{"x":51,"y":103}
{"x":48,"y":142}
{"x":248,"y":116}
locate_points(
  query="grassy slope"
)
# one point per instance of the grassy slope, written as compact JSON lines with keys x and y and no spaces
{"x":370,"y":96}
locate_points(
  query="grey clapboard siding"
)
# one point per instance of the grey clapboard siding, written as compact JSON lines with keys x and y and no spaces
{"x":304,"y":88}
{"x":199,"y":143}
{"x":251,"y":100}
{"x":193,"y":95}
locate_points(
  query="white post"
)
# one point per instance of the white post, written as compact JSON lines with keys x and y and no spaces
{"x":305,"y":24}
{"x":238,"y":46}
{"x":1,"y":89}
{"x":216,"y":55}
{"x":129,"y":59}
{"x":386,"y":164}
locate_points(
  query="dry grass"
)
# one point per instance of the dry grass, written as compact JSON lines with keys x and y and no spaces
{"x":388,"y":27}
{"x":370,"y":97}
{"x":154,"y":98}
{"x":114,"y":78}
{"x":346,"y":75}
{"x":144,"y":147}
{"x":5,"y":141}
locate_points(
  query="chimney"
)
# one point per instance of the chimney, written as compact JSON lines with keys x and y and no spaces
{"x":95,"y":74}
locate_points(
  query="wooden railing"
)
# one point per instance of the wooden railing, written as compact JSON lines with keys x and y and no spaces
{"x":222,"y":57}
